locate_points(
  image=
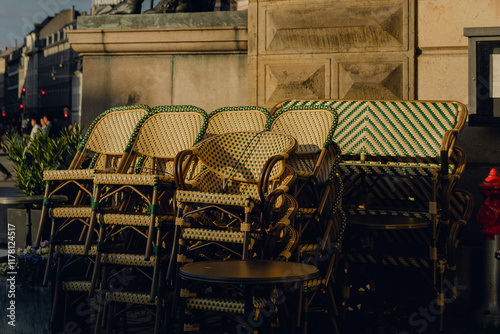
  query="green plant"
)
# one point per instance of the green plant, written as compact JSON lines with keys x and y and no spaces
{"x":33,"y":156}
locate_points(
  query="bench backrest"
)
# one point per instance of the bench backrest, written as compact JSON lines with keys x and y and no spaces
{"x":394,"y":128}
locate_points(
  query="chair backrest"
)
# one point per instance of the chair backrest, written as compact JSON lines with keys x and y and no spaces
{"x":312,"y":125}
{"x":165,"y":131}
{"x":110,"y":132}
{"x":234,"y":119}
{"x":240,"y":156}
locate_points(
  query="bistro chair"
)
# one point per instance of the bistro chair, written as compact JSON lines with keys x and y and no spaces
{"x":149,"y":210}
{"x":316,"y":158}
{"x":105,"y":144}
{"x":329,"y":226}
{"x":201,"y":302}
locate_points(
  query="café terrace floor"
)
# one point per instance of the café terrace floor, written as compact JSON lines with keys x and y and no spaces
{"x":408,"y":303}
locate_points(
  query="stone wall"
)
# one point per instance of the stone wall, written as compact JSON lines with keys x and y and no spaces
{"x":324,"y":49}
{"x":160,"y":59}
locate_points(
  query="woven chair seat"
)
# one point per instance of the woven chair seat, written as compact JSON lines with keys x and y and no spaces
{"x":213,"y":235}
{"x":133,"y":260}
{"x":308,"y":212}
{"x":84,"y":211}
{"x":314,"y":284}
{"x":213,"y":198}
{"x":139,"y":298}
{"x":74,"y":249}
{"x":130,"y":219}
{"x":68,"y":174}
{"x":227,"y":305}
{"x":308,"y":248}
{"x":132,"y":179}
{"x":76,"y":286}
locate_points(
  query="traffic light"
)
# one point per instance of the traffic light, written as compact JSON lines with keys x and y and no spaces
{"x":21,"y":106}
{"x":43,"y":92}
{"x":24,"y":90}
{"x":66,"y":110}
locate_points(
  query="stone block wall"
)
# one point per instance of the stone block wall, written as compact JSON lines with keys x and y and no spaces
{"x":324,"y":49}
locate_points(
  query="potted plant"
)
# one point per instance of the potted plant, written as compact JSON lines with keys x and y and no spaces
{"x":31,"y":157}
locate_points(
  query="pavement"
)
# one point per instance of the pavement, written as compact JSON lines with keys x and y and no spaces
{"x":8,"y":188}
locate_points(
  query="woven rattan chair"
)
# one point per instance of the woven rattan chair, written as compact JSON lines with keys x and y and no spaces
{"x":105,"y":144}
{"x":149,"y":191}
{"x":245,"y":172}
{"x":316,"y":158}
{"x":201,"y":242}
{"x":318,"y":295}
{"x":242,"y":186}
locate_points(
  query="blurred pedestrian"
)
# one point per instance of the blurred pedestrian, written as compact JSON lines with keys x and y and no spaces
{"x":36,"y":128}
{"x":52,"y":128}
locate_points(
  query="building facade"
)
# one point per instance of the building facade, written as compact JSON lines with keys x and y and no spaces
{"x":39,"y":77}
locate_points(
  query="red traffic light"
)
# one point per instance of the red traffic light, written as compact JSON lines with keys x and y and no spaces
{"x":43,"y":92}
{"x":21,"y":106}
{"x":3,"y":114}
{"x":24,"y":90}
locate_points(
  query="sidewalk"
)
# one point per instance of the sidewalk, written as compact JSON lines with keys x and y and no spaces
{"x":7,"y":188}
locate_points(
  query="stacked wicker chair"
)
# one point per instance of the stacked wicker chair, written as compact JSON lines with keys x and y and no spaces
{"x":104,"y":145}
{"x":229,"y":209}
{"x":320,"y":220}
{"x":146,"y":215}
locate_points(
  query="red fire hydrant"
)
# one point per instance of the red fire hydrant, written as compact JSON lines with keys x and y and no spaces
{"x":489,"y":213}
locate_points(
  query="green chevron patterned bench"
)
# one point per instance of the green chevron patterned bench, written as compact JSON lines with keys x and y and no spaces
{"x":399,"y":167}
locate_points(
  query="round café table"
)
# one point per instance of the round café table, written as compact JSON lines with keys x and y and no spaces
{"x":28,"y":202}
{"x":248,"y":273}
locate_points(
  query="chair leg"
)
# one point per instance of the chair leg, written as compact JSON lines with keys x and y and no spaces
{"x":154,"y":207}
{"x":50,"y":254}
{"x":43,"y":217}
{"x":93,"y":219}
{"x":156,"y":270}
{"x":57,"y":290}
{"x":98,"y":263}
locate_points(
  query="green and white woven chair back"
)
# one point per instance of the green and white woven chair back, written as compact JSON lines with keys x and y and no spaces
{"x":168,"y":130}
{"x":312,"y":125}
{"x":240,"y":156}
{"x":111,"y":131}
{"x":235,"y":119}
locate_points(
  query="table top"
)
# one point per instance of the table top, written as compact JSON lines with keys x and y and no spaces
{"x":37,"y":199}
{"x":249,"y":271}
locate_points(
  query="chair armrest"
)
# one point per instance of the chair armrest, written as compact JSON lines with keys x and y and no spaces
{"x":179,"y":172}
